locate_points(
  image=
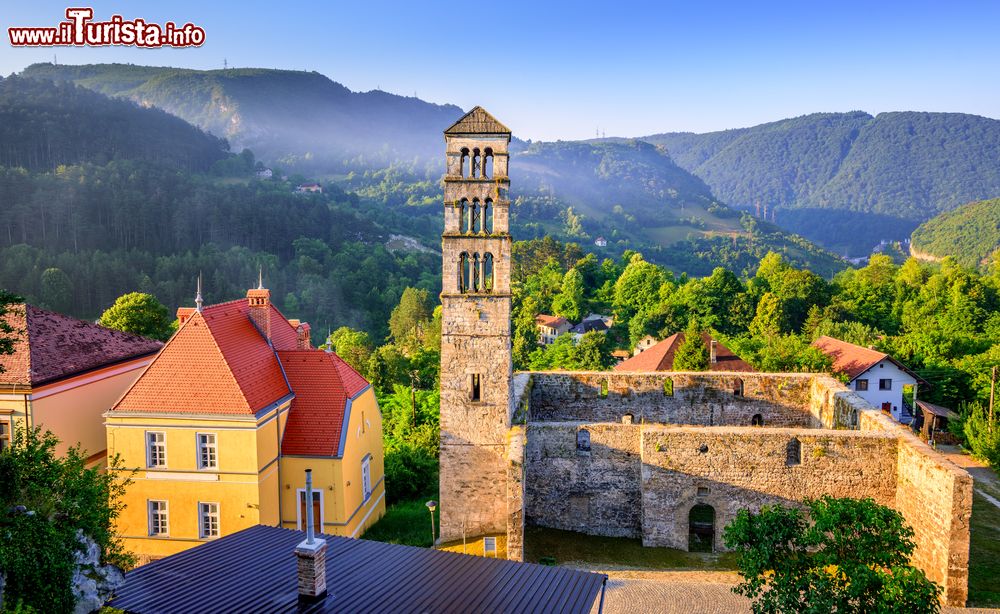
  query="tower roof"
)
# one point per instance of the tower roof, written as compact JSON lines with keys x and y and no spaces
{"x":477,"y":121}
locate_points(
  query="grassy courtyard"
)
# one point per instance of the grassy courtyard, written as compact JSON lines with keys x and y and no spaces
{"x":568,"y":547}
{"x":405,"y":522}
{"x":984,"y":554}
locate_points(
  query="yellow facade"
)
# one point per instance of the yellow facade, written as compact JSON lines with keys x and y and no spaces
{"x":252,"y":483}
{"x":72,"y":408}
{"x":345,"y":509}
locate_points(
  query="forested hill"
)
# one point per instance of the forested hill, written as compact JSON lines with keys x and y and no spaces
{"x":44,"y":125}
{"x":295,"y":117}
{"x":848,"y":180}
{"x":970,"y":234}
{"x":635,"y":196}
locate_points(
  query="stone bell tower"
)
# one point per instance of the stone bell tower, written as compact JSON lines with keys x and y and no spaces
{"x":476,"y":364}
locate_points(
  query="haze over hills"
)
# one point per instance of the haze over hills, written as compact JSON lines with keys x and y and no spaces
{"x":848,"y":180}
{"x":631,"y":193}
{"x":970,"y":234}
{"x":295,"y":117}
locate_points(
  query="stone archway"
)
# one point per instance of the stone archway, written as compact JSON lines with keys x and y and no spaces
{"x":701,"y":528}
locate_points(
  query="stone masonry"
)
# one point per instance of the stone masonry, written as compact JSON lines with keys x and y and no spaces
{"x":630,"y":454}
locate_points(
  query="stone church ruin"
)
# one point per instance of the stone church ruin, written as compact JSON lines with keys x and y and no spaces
{"x":665,"y":457}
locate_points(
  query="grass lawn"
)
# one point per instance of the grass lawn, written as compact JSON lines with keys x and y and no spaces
{"x":405,"y":522}
{"x":570,"y":547}
{"x":984,"y":554}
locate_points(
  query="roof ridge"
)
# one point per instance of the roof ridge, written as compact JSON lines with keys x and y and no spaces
{"x":222,"y":355}
{"x":484,"y":123}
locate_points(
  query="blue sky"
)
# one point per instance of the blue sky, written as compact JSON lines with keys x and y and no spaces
{"x":555,"y":70}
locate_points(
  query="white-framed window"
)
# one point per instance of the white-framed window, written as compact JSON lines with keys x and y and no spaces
{"x":159,"y":521}
{"x":208,"y":520}
{"x":366,"y":476}
{"x":885,"y":384}
{"x":861,"y":385}
{"x":156,"y":449}
{"x":4,"y":434}
{"x":208,"y":455}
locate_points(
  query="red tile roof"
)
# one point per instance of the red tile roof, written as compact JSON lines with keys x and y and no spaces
{"x":660,"y":357}
{"x":217,"y":363}
{"x":850,"y":359}
{"x":51,"y":346}
{"x":853,"y":360}
{"x":323,"y":383}
{"x":543,"y":319}
{"x":220,"y":363}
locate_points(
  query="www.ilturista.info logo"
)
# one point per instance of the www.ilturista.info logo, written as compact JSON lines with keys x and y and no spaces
{"x":80,"y":30}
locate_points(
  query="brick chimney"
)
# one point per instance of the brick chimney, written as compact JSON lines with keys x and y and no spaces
{"x":711,"y":352}
{"x":260,"y":310}
{"x":303,"y":342}
{"x":311,"y":555}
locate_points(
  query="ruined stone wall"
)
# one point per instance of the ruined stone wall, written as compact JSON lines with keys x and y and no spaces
{"x":710,"y":399}
{"x":935,"y":496}
{"x":596,"y":491}
{"x":733,"y":468}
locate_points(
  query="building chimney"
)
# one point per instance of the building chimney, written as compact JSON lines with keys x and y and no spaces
{"x":711,"y":352}
{"x":311,"y":555}
{"x":260,"y":307}
{"x":303,"y":342}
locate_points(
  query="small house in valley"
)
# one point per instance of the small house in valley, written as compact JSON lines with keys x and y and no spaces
{"x":877,"y":377}
{"x":551,"y":327}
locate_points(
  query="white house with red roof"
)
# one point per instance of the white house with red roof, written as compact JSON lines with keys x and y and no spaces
{"x":226,"y":419}
{"x":875,"y":376}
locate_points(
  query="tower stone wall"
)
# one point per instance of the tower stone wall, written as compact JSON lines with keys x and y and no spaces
{"x":476,"y":366}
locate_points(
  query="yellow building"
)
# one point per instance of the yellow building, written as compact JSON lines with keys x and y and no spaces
{"x":223,"y":423}
{"x":64,"y":374}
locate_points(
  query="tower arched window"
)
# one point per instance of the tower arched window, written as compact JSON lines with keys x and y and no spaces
{"x":477,"y":162}
{"x":463,"y":213}
{"x":477,"y":217}
{"x":464,"y":273}
{"x":476,"y":285}
{"x":487,"y":163}
{"x":487,"y":272}
{"x":464,"y":164}
{"x":488,"y":216}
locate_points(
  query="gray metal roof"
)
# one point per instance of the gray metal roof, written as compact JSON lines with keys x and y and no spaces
{"x":254,"y":570}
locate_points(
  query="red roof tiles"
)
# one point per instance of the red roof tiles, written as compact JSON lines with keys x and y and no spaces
{"x":323,"y":383}
{"x":51,"y":346}
{"x":660,"y":357}
{"x":543,"y":319}
{"x":220,"y":363}
{"x":853,"y":360}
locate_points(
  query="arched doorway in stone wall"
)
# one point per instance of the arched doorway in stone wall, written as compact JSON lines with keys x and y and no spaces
{"x":701,"y":528}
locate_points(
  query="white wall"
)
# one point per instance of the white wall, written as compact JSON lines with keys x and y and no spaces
{"x":885,"y":370}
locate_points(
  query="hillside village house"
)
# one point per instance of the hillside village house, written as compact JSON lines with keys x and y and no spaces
{"x":309,"y":188}
{"x":877,"y":377}
{"x":551,"y":327}
{"x":644,"y":344}
{"x":226,"y":419}
{"x":660,"y":356}
{"x":64,"y":374}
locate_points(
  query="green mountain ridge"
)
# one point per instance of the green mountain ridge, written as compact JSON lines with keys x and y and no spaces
{"x":848,"y":180}
{"x":294,"y":117}
{"x":970,"y":234}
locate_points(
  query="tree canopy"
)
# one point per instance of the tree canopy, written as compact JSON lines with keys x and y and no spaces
{"x":836,"y":555}
{"x":141,"y":314}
